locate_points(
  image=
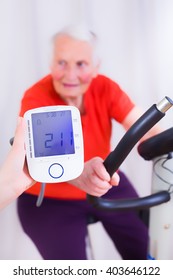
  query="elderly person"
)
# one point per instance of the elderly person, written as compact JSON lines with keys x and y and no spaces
{"x":59,"y":227}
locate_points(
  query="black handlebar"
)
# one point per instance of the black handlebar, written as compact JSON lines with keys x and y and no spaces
{"x":157,"y":145}
{"x":126,"y":204}
{"x":131,"y":137}
{"x":116,"y":157}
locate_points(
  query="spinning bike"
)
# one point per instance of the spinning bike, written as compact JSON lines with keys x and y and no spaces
{"x":159,"y":149}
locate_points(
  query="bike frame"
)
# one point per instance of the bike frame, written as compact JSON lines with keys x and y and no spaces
{"x":160,"y":222}
{"x":159,"y":149}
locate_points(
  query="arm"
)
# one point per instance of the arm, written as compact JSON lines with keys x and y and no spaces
{"x":14,"y":176}
{"x":135,"y":114}
{"x":95,"y":180}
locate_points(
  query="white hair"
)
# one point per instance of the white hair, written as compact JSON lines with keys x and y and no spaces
{"x":83,"y":33}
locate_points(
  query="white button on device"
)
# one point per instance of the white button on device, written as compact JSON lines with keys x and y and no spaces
{"x":56,"y":170}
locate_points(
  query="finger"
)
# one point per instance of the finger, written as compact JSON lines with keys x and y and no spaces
{"x":98,"y":183}
{"x":98,"y":192}
{"x":100,"y":170}
{"x":115,"y":179}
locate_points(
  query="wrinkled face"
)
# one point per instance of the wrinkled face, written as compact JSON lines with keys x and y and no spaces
{"x":73,"y":67}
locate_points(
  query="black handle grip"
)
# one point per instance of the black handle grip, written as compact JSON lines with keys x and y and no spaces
{"x":131,"y":137}
{"x":157,"y":145}
{"x":115,"y":158}
{"x":126,"y":204}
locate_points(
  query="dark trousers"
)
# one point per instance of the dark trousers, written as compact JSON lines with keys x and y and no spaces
{"x":59,"y":227}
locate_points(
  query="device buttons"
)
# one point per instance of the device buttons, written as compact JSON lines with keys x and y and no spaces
{"x":56,"y":170}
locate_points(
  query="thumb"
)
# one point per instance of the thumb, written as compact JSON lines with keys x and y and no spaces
{"x":19,"y":134}
{"x":115,"y":179}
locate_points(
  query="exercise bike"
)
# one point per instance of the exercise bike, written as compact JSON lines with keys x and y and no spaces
{"x":159,"y":149}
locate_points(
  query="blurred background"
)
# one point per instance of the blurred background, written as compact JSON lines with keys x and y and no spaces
{"x":136,"y":47}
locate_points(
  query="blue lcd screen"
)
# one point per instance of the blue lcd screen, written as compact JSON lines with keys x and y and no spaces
{"x":53,"y":133}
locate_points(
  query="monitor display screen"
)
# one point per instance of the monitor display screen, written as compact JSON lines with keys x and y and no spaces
{"x":53,"y":133}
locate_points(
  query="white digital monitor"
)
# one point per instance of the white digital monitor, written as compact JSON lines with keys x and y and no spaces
{"x":54,"y":143}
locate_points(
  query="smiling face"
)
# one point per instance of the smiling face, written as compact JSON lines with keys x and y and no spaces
{"x":73,"y":67}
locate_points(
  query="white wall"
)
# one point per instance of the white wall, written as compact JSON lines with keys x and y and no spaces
{"x":136,"y":44}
